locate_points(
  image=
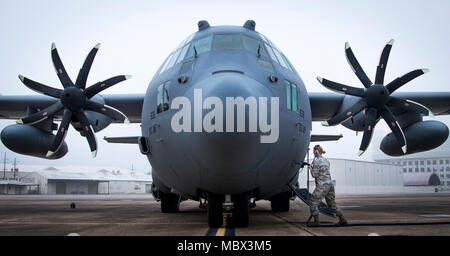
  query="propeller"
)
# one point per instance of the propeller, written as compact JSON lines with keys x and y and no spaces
{"x":74,"y":99}
{"x":375,"y":98}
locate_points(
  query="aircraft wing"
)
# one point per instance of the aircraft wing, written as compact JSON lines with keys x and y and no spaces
{"x":15,"y":107}
{"x":326,"y":105}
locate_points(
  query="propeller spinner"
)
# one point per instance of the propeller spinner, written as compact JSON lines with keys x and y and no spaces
{"x":74,"y":100}
{"x":375,"y":98}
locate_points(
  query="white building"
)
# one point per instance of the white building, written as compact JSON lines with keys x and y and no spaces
{"x":434,"y":161}
{"x":76,"y":180}
{"x":362,"y":177}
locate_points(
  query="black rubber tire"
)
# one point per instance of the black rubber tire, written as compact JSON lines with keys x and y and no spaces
{"x":240,"y":216}
{"x":280,"y":202}
{"x":169,"y":202}
{"x":215,"y":212}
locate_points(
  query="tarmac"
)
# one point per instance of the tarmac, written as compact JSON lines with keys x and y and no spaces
{"x":140,"y":215}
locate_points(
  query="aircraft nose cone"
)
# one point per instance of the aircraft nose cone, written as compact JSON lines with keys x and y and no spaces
{"x":228,"y":153}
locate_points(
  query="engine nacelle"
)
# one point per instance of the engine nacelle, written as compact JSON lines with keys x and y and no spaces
{"x":357,"y":122}
{"x":420,"y":136}
{"x":97,"y":120}
{"x":31,"y":141}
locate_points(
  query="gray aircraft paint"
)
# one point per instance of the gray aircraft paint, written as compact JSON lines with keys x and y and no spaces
{"x":233,"y":162}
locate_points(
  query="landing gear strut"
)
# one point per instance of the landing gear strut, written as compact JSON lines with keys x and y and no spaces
{"x":228,"y":211}
{"x":169,"y":202}
{"x":280,"y":202}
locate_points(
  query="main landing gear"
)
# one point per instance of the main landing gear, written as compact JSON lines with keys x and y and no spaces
{"x":169,"y":202}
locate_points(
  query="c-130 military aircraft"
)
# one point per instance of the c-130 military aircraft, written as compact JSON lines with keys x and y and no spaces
{"x":250,"y":145}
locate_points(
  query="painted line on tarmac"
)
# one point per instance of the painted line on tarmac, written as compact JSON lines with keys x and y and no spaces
{"x":221,"y":232}
{"x":224,"y":230}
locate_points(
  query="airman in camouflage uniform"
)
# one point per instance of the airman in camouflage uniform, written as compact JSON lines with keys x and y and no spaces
{"x":320,"y":170}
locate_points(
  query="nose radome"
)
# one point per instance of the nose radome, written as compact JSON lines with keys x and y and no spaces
{"x":230,"y":153}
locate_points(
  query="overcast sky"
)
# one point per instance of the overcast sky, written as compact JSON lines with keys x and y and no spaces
{"x":137,"y":36}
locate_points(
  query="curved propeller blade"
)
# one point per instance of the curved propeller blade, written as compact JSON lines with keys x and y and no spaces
{"x":381,"y":69}
{"x":84,"y":71}
{"x":61,"y":134}
{"x":341,"y":88}
{"x":107,"y":110}
{"x":371,"y":119}
{"x":347,"y":114}
{"x":409,"y":105}
{"x":400,"y":81}
{"x":60,"y":70}
{"x":40,"y":88}
{"x":88,"y":132}
{"x":354,"y":64}
{"x":395,"y":127}
{"x":41,"y":115}
{"x":100,"y":86}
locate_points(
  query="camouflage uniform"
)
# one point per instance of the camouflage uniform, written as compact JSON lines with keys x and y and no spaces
{"x":324,"y":187}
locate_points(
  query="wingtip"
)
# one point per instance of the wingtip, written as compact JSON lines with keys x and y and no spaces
{"x":347,"y":45}
{"x":320,"y":79}
{"x":360,"y":152}
{"x":425,"y":70}
{"x":404,"y":149}
{"x":49,"y":154}
{"x":19,"y":121}
{"x":391,"y":42}
{"x":94,"y":153}
{"x":97,"y":45}
{"x":325,"y":123}
{"x":53,"y":46}
{"x":128,"y":77}
{"x":21,"y":78}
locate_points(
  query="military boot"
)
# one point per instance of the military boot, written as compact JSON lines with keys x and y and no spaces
{"x":315,"y":223}
{"x":342,"y":221}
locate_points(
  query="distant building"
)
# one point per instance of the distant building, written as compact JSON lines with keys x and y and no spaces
{"x":362,"y":177}
{"x":434,"y":161}
{"x":18,"y":183}
{"x":76,"y":180}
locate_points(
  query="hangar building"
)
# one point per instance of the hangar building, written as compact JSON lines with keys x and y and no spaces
{"x":363,"y":177}
{"x":75,"y":180}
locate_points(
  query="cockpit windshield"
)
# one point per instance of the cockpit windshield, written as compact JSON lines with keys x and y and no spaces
{"x":261,"y":47}
{"x":227,"y":42}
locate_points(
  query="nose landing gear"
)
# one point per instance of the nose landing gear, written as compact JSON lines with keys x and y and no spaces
{"x":228,"y":211}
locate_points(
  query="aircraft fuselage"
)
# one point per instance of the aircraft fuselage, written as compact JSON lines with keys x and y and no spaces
{"x":217,"y":156}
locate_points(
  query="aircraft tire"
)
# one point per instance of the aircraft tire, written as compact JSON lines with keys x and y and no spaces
{"x":280,"y":202}
{"x":215,"y":212}
{"x":240,"y":216}
{"x":169,"y":202}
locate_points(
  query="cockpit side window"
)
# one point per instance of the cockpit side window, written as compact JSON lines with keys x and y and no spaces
{"x":187,"y":66}
{"x":272,"y":55}
{"x":162,"y":99}
{"x":183,"y":53}
{"x":166,"y":64}
{"x":280,"y":59}
{"x":227,"y":42}
{"x":173,"y":59}
{"x":254,"y":45}
{"x":287,"y":62}
{"x":200,"y":46}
